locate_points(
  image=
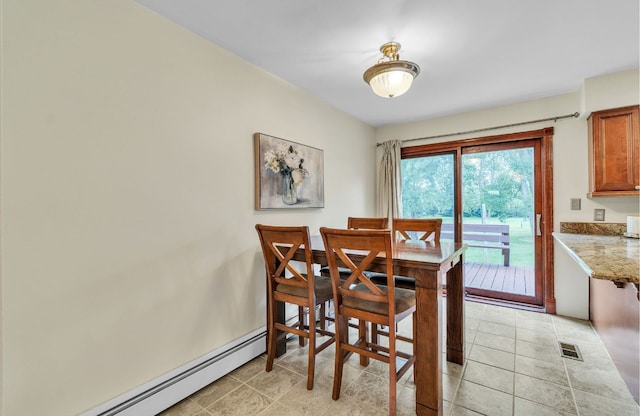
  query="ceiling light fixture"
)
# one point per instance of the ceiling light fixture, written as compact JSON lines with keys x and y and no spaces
{"x":391,"y":77}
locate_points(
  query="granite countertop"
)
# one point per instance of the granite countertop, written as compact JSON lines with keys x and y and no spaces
{"x":609,"y":257}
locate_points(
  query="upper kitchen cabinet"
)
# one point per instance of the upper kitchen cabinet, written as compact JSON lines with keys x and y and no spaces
{"x":614,"y":152}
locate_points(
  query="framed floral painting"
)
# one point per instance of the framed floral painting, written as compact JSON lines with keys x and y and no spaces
{"x":288,"y":174}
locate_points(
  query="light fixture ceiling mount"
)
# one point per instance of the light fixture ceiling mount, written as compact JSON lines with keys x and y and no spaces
{"x":391,"y":77}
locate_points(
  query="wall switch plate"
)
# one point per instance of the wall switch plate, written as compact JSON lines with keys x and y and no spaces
{"x":575,"y":204}
{"x":598,"y":214}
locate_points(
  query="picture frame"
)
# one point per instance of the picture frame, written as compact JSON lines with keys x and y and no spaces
{"x":289,"y":175}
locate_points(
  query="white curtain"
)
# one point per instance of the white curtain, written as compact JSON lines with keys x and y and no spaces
{"x":390,"y":181}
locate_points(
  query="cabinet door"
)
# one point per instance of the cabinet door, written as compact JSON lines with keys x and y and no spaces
{"x":614,"y":152}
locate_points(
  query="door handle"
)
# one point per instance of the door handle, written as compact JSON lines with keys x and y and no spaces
{"x":538,"y":218}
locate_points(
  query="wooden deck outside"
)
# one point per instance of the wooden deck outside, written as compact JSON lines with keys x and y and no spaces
{"x":509,"y":279}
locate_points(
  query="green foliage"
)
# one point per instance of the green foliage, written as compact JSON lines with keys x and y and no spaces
{"x":498,"y":182}
{"x":427,"y":186}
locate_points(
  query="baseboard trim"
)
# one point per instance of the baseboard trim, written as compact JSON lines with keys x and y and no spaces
{"x":163,"y":392}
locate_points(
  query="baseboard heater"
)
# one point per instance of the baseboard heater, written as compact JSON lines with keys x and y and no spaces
{"x":163,"y":392}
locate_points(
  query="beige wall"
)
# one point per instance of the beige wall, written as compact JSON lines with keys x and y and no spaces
{"x":128,"y":246}
{"x":570,"y":165}
{"x":128,"y":197}
{"x":611,"y":91}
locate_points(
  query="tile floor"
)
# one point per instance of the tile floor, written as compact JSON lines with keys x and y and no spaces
{"x":513,"y":367}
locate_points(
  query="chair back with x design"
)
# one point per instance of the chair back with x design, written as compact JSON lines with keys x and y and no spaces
{"x":427,"y":229}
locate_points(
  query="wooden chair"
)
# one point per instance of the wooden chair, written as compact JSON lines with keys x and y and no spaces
{"x":358,"y":297}
{"x":286,"y":284}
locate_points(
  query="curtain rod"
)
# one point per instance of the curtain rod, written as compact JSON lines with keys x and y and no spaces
{"x":575,"y":115}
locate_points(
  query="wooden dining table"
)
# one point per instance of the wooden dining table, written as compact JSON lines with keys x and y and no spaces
{"x":432,"y":265}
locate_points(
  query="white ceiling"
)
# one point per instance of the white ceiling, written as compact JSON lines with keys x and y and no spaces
{"x":473,"y":54}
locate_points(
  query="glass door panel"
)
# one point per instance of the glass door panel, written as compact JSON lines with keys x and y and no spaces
{"x":428,"y":189}
{"x":499,"y":222}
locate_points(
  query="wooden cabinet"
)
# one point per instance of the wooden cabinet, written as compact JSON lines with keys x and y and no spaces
{"x":614,"y":152}
{"x":614,"y":311}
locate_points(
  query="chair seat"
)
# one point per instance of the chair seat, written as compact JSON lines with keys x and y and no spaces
{"x":405,"y":299}
{"x":322,"y":287}
{"x":403,"y":282}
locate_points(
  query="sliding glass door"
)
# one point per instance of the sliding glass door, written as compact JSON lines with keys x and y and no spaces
{"x":490,"y":195}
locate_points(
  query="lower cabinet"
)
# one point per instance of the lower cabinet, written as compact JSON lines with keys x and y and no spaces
{"x":615,"y":314}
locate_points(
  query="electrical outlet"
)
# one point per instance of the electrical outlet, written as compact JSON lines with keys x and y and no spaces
{"x":575,"y":204}
{"x":598,"y":214}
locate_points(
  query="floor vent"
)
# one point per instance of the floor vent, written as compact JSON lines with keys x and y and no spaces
{"x":570,"y":351}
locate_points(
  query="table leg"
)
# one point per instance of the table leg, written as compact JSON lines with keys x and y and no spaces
{"x":455,"y":313}
{"x":428,"y":365}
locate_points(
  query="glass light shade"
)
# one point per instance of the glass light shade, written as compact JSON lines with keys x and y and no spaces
{"x":390,"y":84}
{"x":391,"y":78}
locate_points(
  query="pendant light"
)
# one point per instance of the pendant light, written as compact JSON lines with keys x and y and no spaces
{"x":391,"y":77}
